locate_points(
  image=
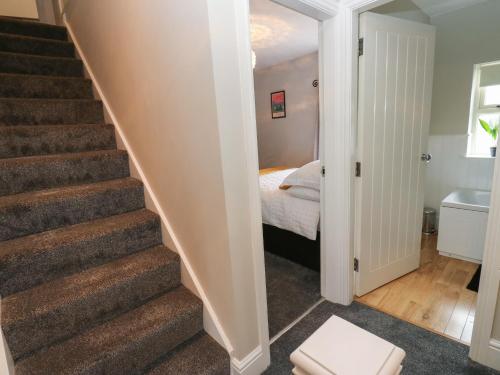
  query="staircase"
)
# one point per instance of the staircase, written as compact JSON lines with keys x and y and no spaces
{"x":87,"y":286}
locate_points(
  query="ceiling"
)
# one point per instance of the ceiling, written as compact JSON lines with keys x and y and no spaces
{"x":280,"y":34}
{"x":438,"y":7}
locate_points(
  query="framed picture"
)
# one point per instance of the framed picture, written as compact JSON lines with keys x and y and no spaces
{"x":278,"y":108}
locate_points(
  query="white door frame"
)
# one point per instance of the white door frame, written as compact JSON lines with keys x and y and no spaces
{"x":331,"y":270}
{"x":483,"y":349}
{"x":338,"y":100}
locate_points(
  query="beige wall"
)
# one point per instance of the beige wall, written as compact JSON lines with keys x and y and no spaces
{"x":463,"y":38}
{"x":288,"y":141}
{"x":18,"y":8}
{"x":154,"y":65}
{"x":404,"y":9}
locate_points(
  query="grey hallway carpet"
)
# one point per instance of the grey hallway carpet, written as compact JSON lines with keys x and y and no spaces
{"x":291,"y":290}
{"x":426,"y":352}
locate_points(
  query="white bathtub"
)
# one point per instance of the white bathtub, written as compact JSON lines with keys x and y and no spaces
{"x":462,"y":224}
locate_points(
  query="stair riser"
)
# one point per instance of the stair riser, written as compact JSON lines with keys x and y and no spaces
{"x":46,"y":112}
{"x":18,"y":176}
{"x":55,"y":325}
{"x":16,"y":141}
{"x":133,"y":360}
{"x":21,"y":273}
{"x":32,"y":29}
{"x":14,"y":44}
{"x":211,"y":359}
{"x":18,"y":220}
{"x":18,"y":86}
{"x":128,"y":344}
{"x":24,"y":64}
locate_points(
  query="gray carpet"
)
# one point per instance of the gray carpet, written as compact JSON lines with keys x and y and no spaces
{"x":87,"y":285}
{"x":291,"y":290}
{"x":426,"y":352}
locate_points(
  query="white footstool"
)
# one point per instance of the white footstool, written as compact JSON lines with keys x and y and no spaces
{"x":341,"y":348}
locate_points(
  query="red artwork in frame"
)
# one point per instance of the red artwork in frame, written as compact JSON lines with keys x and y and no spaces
{"x":278,"y":107}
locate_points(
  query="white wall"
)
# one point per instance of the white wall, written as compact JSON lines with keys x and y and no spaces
{"x":463,"y":38}
{"x":155,"y":68}
{"x":288,"y":141}
{"x":496,"y":322}
{"x":18,"y":8}
{"x":450,"y":169}
{"x":404,"y":9}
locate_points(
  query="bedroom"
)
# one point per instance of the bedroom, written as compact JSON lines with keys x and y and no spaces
{"x":285,"y":59}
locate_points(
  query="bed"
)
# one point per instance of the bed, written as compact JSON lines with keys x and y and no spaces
{"x":290,"y":224}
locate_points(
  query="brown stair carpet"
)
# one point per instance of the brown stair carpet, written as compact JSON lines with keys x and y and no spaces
{"x":87,"y":286}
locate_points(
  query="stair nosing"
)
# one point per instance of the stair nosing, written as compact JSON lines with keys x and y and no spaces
{"x":34,"y":23}
{"x":55,"y":126}
{"x":107,"y":328}
{"x":67,"y":155}
{"x":80,"y":289}
{"x":41,"y":56}
{"x":55,"y":236}
{"x":44,"y":76}
{"x":58,"y":192}
{"x":35,"y":38}
{"x":64,"y":100}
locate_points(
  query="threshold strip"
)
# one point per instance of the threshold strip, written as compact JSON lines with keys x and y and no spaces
{"x":290,"y":326}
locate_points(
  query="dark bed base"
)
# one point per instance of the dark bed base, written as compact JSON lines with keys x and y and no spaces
{"x":292,"y":246}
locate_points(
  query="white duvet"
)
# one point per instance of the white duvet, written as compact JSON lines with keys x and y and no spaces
{"x":284,"y":211}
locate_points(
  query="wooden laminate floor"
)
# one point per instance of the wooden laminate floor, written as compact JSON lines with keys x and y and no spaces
{"x":434,"y":297}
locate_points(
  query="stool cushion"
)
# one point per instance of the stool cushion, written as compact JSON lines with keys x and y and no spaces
{"x":341,"y":348}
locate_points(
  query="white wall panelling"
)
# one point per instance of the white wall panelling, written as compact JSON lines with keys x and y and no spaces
{"x":449,"y":169}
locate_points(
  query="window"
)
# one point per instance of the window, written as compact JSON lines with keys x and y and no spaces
{"x":485,"y":105}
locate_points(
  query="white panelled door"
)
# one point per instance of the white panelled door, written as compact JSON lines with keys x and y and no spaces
{"x":395,"y":87}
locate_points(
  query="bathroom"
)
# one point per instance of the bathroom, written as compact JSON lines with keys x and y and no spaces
{"x":459,"y":159}
{"x":464,"y":124}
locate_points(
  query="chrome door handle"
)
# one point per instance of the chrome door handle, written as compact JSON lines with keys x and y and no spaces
{"x":426,"y":157}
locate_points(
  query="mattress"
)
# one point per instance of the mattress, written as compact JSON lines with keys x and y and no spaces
{"x":284,"y":211}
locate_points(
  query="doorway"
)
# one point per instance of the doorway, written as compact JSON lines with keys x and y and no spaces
{"x":430,"y":280}
{"x":285,"y":60}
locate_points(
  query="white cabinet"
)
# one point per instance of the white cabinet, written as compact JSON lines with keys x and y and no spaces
{"x":462,"y":233}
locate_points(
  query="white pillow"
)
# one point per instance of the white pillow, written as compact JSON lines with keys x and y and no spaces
{"x":304,"y":193}
{"x":307,"y":176}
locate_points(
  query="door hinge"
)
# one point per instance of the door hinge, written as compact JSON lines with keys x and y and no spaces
{"x":356,"y":265}
{"x":361,"y":46}
{"x":358,"y":169}
{"x":323,"y":171}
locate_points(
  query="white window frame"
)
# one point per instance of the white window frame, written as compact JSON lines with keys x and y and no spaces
{"x":476,"y":110}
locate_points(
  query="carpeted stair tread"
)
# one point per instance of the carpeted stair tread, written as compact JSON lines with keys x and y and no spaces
{"x":38,"y":86}
{"x":30,"y":173}
{"x":34,"y":212}
{"x":31,"y":140}
{"x":31,"y":260}
{"x":63,"y":307}
{"x":126,"y":344}
{"x":21,"y":63}
{"x":200,"y":355}
{"x":22,"y":111}
{"x":87,"y":286}
{"x":35,"y":45}
{"x":32,"y":28}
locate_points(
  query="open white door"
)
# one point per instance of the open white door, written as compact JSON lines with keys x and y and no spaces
{"x":395,"y":87}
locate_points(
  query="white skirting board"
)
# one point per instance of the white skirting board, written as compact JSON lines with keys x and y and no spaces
{"x":211,"y":322}
{"x":253,"y":364}
{"x":6,"y":362}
